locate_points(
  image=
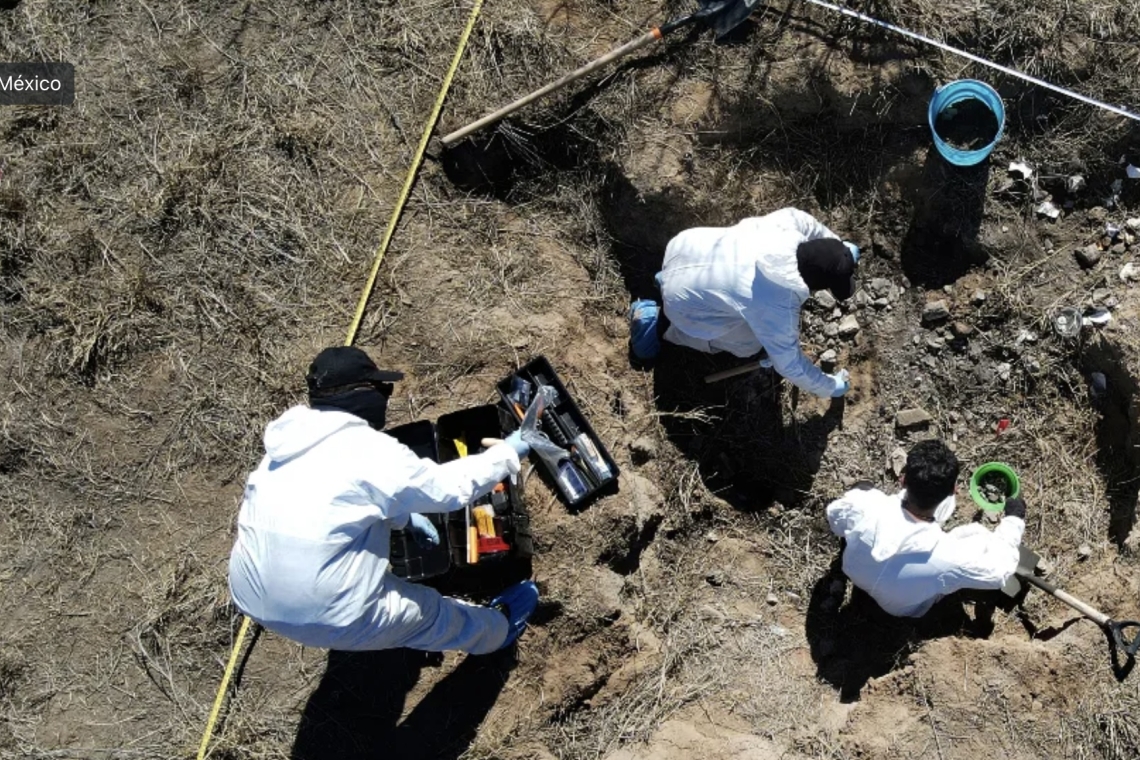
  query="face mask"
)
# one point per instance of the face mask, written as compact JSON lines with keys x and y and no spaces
{"x":945,"y":510}
{"x":369,"y":404}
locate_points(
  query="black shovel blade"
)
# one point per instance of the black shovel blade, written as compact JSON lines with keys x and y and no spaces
{"x":725,"y":15}
{"x":1120,"y":636}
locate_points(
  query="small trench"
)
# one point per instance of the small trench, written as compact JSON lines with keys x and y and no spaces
{"x":1116,"y":433}
{"x":497,"y":163}
{"x":624,"y":557}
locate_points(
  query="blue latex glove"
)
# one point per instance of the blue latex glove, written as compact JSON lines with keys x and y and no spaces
{"x":854,"y":250}
{"x":643,"y":316}
{"x":842,"y":383}
{"x":423,"y":531}
{"x":515,"y":441}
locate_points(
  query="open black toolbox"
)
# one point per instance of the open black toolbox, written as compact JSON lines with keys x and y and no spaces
{"x":447,"y":564}
{"x":588,"y":471}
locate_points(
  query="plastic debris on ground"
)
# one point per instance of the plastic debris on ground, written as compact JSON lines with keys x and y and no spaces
{"x":1067,"y":322}
{"x":1047,"y":209}
{"x":1097,"y":318}
{"x":1021,"y":169}
{"x":1075,"y":183}
{"x":1132,"y":172}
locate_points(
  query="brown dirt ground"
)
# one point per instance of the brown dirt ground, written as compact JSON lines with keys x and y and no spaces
{"x":176,"y":246}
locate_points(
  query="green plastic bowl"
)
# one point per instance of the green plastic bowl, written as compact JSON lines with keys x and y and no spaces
{"x":986,"y":469}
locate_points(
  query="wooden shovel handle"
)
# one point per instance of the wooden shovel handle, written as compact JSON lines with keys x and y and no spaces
{"x":743,"y":369}
{"x":1087,"y":610}
{"x":491,"y":118}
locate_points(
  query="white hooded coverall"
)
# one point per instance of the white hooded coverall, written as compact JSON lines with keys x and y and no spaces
{"x":738,"y":289}
{"x":311,"y":557}
{"x":907,"y":565}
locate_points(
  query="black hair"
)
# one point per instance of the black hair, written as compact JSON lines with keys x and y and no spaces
{"x":931,"y":472}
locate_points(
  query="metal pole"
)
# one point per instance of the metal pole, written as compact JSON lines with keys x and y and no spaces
{"x":976,"y":59}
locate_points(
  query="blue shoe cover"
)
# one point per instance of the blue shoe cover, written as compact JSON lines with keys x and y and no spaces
{"x":521,"y":600}
{"x":643,"y":315}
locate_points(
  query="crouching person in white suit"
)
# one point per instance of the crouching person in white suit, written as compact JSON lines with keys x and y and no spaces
{"x":898,"y":552}
{"x":740,"y":289}
{"x":311,"y":557}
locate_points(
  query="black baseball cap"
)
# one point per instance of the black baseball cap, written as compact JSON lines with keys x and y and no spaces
{"x":340,"y":366}
{"x":827,"y":264}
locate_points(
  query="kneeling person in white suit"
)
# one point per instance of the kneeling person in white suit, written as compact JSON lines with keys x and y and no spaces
{"x":897,"y":551}
{"x":311,"y":557}
{"x":740,"y":289}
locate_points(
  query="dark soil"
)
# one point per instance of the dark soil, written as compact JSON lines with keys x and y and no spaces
{"x":968,"y":125}
{"x":994,"y":486}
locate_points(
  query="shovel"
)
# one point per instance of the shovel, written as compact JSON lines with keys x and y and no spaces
{"x":1116,"y":631}
{"x":722,"y":15}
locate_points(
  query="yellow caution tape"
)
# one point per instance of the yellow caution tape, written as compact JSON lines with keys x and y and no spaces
{"x":221,"y":696}
{"x":365,"y":294}
{"x":413,"y":170}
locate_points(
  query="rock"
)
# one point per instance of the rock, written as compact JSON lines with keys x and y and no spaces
{"x":602,"y":587}
{"x":828,"y":359}
{"x":645,"y":499}
{"x":880,"y":286}
{"x":1088,"y":256}
{"x":1129,"y":273}
{"x":793,"y":596}
{"x":849,"y":327}
{"x":1133,"y":224}
{"x":934,"y":344}
{"x":1084,"y":551}
{"x":935,"y":311}
{"x":880,"y":245}
{"x":911,"y":418}
{"x":643,"y":449}
{"x":1044,"y":567}
{"x":962,"y":329}
{"x":1119,"y":249}
{"x":825,"y":300}
{"x":1100,"y":295}
{"x":715,"y":578}
{"x":881,"y":303}
{"x":1003,"y":371}
{"x":898,"y":461}
{"x":712,"y":536}
{"x":1048,"y":244}
{"x":830,"y":330}
{"x":979,"y":297}
{"x":773,"y":599}
{"x":1075,"y":183}
{"x":1098,"y":214}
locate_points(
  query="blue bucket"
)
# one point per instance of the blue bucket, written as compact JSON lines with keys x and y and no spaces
{"x":952,"y":94}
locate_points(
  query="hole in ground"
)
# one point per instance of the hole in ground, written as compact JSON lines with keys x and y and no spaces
{"x":1117,"y":457}
{"x":496,"y":162}
{"x":625,"y":557}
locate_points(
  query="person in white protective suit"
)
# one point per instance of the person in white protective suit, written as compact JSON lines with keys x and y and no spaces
{"x":311,"y":557}
{"x":740,"y":289}
{"x":897,"y":551}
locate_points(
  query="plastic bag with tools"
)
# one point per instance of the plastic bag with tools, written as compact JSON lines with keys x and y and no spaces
{"x":531,"y":433}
